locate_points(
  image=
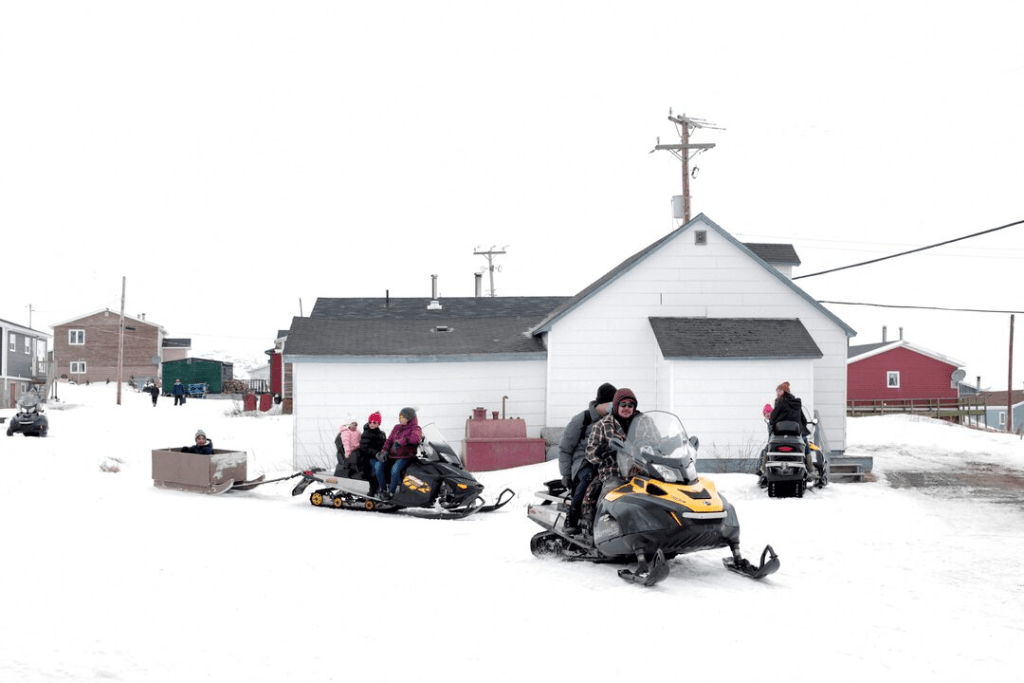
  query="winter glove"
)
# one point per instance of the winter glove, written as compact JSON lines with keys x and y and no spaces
{"x":381,"y":456}
{"x":567,"y":481}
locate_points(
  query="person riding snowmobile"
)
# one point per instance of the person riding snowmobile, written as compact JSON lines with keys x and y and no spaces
{"x":602,"y":456}
{"x":788,"y":408}
{"x":577,"y":472}
{"x":398,"y":450}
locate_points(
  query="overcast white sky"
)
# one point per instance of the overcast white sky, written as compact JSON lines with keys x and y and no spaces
{"x":231,"y":159}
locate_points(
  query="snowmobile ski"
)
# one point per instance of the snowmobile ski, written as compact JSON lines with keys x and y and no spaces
{"x":742,"y":566}
{"x":499,"y":503}
{"x":647,"y":573}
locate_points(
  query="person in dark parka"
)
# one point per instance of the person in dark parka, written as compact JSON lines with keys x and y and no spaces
{"x":371,"y":441}
{"x":178,"y":392}
{"x":576,"y":470}
{"x":203,"y":445}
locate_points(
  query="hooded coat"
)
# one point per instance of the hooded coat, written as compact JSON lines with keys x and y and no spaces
{"x":404,"y":439}
{"x":599,"y":450}
{"x":788,"y":407}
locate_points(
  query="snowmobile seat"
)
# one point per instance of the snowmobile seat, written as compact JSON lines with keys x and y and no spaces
{"x":788,"y":428}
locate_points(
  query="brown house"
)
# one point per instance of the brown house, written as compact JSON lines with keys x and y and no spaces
{"x":86,"y":348}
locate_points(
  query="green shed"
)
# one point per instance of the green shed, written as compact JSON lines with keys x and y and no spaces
{"x":196,"y":370}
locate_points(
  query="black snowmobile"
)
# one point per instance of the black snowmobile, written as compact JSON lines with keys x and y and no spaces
{"x":659,"y":508}
{"x":435,"y":485}
{"x":29,"y":420}
{"x":788,"y":471}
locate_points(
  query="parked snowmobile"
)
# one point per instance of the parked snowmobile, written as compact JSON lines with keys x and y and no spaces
{"x":435,"y":484}
{"x":661,"y":509}
{"x":29,"y":420}
{"x":787,"y":470}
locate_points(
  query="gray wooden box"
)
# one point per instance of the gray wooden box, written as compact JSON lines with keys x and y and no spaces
{"x":196,"y":472}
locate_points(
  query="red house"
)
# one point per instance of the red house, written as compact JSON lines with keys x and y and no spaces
{"x":899,"y":370}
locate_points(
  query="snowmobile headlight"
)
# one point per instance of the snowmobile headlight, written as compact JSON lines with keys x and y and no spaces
{"x":667,"y":474}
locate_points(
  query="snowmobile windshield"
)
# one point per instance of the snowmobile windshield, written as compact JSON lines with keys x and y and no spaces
{"x":435,"y":448}
{"x":657,"y":446}
{"x":27,"y":401}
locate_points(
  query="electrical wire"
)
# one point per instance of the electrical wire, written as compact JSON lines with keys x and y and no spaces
{"x":911,"y":251}
{"x":922,"y":308}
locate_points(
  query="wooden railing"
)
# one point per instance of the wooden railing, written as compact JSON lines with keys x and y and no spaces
{"x":962,"y":407}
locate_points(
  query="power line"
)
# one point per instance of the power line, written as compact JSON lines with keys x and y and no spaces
{"x":911,"y":251}
{"x":921,"y":308}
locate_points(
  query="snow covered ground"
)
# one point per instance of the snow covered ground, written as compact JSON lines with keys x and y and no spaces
{"x":104,"y":577}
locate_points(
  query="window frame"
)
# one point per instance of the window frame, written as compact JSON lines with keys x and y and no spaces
{"x":76,"y":333}
{"x":80,"y":364}
{"x":890,"y":375}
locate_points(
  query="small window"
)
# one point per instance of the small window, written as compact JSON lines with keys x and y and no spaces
{"x":28,"y":346}
{"x":76,"y":337}
{"x":1002,"y":418}
{"x":892,"y":379}
{"x":12,"y":342}
{"x":700,"y":237}
{"x":78,"y":367}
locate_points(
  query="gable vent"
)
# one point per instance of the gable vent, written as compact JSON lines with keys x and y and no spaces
{"x":700,"y":237}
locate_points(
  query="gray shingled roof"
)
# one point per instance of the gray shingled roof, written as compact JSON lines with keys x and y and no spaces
{"x":419,"y":308}
{"x":393,"y":337}
{"x":465,"y":326}
{"x":733,"y":338}
{"x":784,"y":254}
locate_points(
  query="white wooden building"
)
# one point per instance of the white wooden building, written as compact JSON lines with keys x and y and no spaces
{"x":697,"y":323}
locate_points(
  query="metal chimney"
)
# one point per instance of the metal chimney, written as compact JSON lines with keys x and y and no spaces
{"x":434,"y":304}
{"x":901,"y":334}
{"x":479,"y":285}
{"x":884,"y":329}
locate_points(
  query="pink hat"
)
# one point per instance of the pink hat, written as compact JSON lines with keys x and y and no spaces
{"x":375,"y":417}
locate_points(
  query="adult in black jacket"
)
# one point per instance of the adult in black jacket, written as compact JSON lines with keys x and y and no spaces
{"x":787,"y":408}
{"x":359,"y":463}
{"x":576,"y":471}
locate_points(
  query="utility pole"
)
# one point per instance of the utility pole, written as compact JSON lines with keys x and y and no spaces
{"x":120,"y":343}
{"x":489,"y":255}
{"x":682,"y":151}
{"x":1009,"y":385}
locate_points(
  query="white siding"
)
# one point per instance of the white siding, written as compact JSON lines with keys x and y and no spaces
{"x":720,"y":402}
{"x":441,"y":393}
{"x":608,"y":338}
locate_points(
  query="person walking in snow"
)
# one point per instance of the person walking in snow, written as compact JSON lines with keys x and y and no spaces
{"x":152,"y":390}
{"x":178,"y":392}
